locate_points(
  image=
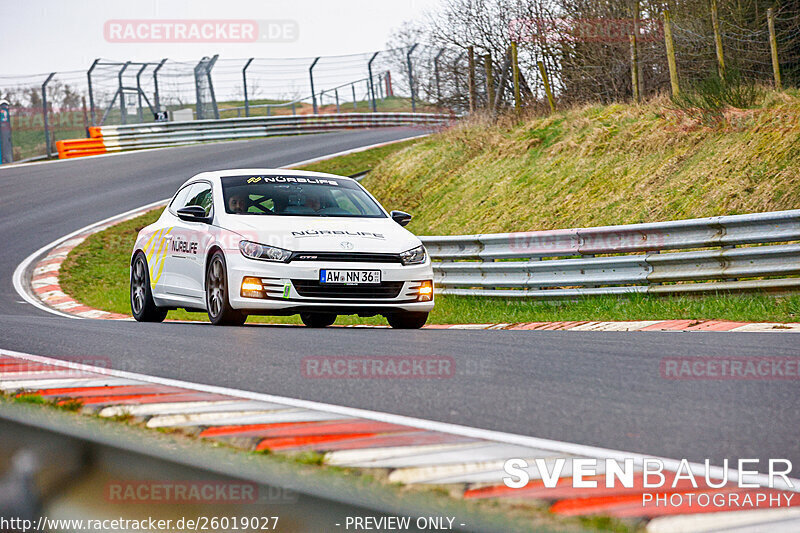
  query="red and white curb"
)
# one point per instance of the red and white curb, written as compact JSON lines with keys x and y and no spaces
{"x":413,"y":451}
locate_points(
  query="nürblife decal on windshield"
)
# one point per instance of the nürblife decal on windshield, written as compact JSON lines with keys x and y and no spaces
{"x":323,"y":232}
{"x":292,"y":179}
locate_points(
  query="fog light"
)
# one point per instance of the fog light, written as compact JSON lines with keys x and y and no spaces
{"x":252,"y":288}
{"x":425,"y":291}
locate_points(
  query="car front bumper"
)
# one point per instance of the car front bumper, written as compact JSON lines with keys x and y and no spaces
{"x":294,"y":287}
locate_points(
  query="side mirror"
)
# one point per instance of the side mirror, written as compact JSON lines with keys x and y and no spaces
{"x":400,"y":217}
{"x":193,"y":213}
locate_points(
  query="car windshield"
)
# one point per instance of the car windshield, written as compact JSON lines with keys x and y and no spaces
{"x":292,"y":195}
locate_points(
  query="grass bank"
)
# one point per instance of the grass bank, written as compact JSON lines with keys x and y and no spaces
{"x":597,"y":165}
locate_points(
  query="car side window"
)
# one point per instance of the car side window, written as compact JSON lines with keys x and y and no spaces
{"x":200,"y":194}
{"x":180,"y":198}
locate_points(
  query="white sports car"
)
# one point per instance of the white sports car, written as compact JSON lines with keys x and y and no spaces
{"x":280,"y":242}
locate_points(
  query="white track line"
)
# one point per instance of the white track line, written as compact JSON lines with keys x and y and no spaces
{"x":565,"y":448}
{"x":18,"y":278}
{"x":20,"y":284}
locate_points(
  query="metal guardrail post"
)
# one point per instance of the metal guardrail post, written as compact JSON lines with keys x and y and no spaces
{"x":91,"y":91}
{"x":156,"y":96}
{"x":311,"y":79}
{"x":411,"y":77}
{"x":371,"y":86}
{"x":244,"y":85}
{"x":44,"y":111}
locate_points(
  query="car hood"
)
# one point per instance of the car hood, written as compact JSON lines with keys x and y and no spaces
{"x":323,"y":234}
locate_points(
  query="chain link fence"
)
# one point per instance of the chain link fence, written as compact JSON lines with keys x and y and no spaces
{"x":113,"y":92}
{"x":584,"y":48}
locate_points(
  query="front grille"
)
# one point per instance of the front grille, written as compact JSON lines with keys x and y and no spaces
{"x":311,"y":288}
{"x":348,"y":257}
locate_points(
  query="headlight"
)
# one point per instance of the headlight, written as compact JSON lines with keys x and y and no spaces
{"x":414,"y":256}
{"x":253,"y":250}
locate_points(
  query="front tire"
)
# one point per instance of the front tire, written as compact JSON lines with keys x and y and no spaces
{"x":407,"y":319}
{"x":143,"y":306}
{"x":317,"y":320}
{"x":218,"y":306}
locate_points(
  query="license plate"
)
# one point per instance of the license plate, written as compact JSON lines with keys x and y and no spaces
{"x":350,"y":277}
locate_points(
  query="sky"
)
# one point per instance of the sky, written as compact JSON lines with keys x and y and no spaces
{"x":58,"y":35}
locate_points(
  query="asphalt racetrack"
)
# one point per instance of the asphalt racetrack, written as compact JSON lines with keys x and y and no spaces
{"x":596,"y":388}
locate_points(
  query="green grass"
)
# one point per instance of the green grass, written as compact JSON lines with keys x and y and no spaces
{"x":36,"y":399}
{"x":597,"y":165}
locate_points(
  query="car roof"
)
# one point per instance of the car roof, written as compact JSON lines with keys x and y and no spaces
{"x":215,"y":175}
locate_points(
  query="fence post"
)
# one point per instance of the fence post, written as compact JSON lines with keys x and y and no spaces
{"x":123,"y":110}
{"x":436,"y":75}
{"x":371,"y":82}
{"x":244,"y":84}
{"x":773,"y":45}
{"x":455,"y":75}
{"x":91,"y":91}
{"x":717,"y":39}
{"x":411,"y":77}
{"x":209,"y":66}
{"x":44,"y":110}
{"x":139,"y":113}
{"x":501,"y":85}
{"x":673,"y":67}
{"x":515,"y":70}
{"x":336,"y":92}
{"x":6,"y":145}
{"x":199,"y":110}
{"x":471,"y":77}
{"x":546,"y":84}
{"x":487,"y":67}
{"x":156,"y":95}
{"x":634,"y":69}
{"x":311,"y":78}
{"x":355,"y":104}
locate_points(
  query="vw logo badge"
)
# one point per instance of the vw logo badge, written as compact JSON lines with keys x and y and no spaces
{"x":346,"y":245}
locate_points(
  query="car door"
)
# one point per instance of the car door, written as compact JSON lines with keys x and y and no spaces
{"x":188,"y":241}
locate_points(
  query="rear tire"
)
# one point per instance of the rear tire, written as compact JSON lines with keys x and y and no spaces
{"x":143,"y":307}
{"x":219,"y":309}
{"x":318,"y":320}
{"x":407,"y":319}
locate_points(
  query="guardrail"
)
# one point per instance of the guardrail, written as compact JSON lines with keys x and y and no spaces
{"x":105,"y":139}
{"x":624,"y":259}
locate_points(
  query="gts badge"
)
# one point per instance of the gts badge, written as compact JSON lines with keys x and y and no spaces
{"x":183,"y":247}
